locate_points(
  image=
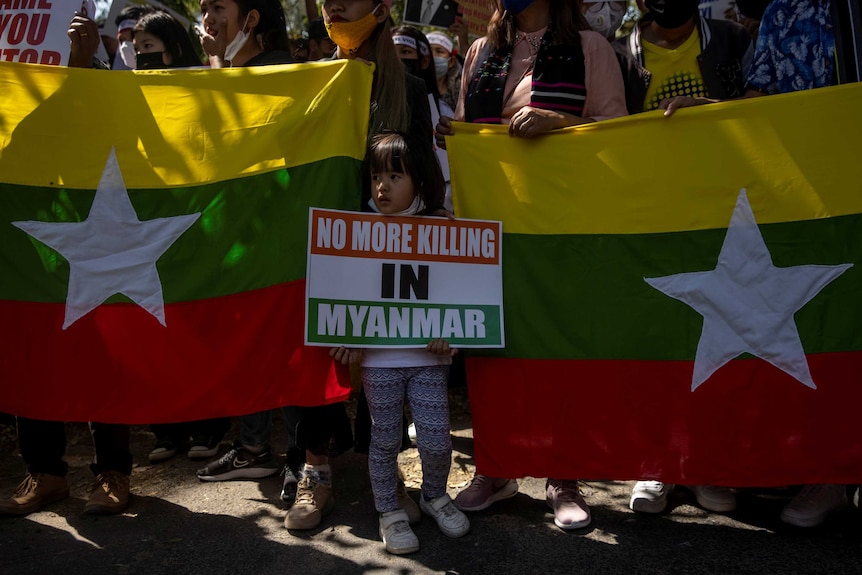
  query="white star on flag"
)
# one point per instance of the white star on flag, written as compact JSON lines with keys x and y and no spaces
{"x":111,"y":251}
{"x":747,"y":303}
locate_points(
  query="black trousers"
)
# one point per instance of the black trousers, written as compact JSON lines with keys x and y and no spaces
{"x":43,"y":445}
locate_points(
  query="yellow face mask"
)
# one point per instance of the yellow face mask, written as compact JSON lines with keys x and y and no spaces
{"x":350,"y":35}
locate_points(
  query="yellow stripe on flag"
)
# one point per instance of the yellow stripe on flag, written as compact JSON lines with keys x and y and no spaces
{"x":213,"y":125}
{"x":796,"y":154}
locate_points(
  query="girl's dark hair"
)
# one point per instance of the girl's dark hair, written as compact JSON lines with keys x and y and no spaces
{"x":428,"y":73}
{"x":400,"y":152}
{"x":566,"y":21}
{"x":175,"y":38}
{"x":272,"y":27}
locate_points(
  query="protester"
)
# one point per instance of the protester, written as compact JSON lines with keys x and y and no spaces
{"x":240,"y":33}
{"x":299,"y":50}
{"x":161,"y":42}
{"x":403,"y":178}
{"x":447,"y":70}
{"x":43,"y":446}
{"x":415,"y":52}
{"x":546,"y":44}
{"x":250,"y":33}
{"x":361,"y":31}
{"x":43,"y":443}
{"x":817,"y":60}
{"x":320,"y":45}
{"x":674,"y":50}
{"x":124,"y":59}
{"x":605,"y":17}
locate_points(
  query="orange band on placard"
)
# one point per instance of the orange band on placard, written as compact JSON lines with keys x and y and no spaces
{"x":358,"y":235}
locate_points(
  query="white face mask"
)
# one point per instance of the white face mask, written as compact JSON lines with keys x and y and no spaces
{"x":441,"y":66}
{"x":127,"y":53}
{"x":237,"y":43}
{"x":607,"y":19}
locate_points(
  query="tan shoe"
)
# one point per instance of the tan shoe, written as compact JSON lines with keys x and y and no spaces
{"x":313,"y":501}
{"x":109,"y":494}
{"x":36,"y":491}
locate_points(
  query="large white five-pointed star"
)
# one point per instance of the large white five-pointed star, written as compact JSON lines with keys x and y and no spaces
{"x":111,"y":251}
{"x":747,"y":303}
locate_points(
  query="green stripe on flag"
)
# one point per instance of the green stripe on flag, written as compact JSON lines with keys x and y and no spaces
{"x":595,"y":303}
{"x":361,"y":323}
{"x":253,"y":231}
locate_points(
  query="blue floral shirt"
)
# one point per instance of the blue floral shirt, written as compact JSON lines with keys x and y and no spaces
{"x":795,"y":49}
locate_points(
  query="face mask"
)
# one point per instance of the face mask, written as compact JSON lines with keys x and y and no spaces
{"x":441,"y":66}
{"x":671,"y":14}
{"x":607,"y":19}
{"x":150,"y":61}
{"x":515,"y":7}
{"x":411,"y":66}
{"x":349,"y":36}
{"x":414,"y":208}
{"x":127,"y":53}
{"x":237,"y":43}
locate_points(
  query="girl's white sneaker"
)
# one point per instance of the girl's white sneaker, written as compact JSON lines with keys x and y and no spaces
{"x":451,"y":521}
{"x":396,"y":533}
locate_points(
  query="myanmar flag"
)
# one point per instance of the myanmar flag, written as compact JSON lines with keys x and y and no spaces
{"x":683,"y":295}
{"x":153,"y":233}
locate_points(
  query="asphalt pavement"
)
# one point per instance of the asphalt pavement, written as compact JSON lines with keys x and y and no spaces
{"x":177,"y":524}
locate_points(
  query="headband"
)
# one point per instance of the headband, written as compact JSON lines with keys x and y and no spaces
{"x":400,"y":39}
{"x":126,"y":25}
{"x":441,"y":40}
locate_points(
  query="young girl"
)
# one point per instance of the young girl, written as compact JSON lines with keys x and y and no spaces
{"x":361,"y":31}
{"x":404,"y":179}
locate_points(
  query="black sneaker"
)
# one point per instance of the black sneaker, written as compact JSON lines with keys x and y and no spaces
{"x":203,"y":447}
{"x":164,"y":450}
{"x":288,"y":487}
{"x":239,"y":463}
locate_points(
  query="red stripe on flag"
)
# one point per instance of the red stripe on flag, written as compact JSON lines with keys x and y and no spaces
{"x":224,"y":356}
{"x":750,"y":424}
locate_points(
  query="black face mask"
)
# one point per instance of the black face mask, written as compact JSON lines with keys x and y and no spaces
{"x":412,"y":67}
{"x":150,"y":61}
{"x":671,"y":14}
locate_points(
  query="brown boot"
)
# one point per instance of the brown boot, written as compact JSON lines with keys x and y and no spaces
{"x":313,"y":501}
{"x":109,"y":494}
{"x":36,"y":491}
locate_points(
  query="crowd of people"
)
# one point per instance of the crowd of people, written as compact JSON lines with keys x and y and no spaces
{"x":543,"y":65}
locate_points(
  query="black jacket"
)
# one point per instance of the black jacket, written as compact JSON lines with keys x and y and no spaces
{"x":725,"y":54}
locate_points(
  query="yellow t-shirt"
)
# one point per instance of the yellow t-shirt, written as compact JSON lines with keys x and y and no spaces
{"x":674,"y":72}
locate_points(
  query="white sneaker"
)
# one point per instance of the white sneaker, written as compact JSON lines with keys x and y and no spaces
{"x":449,"y":519}
{"x":811,"y":506}
{"x":650,"y":496}
{"x":396,"y":533}
{"x":714,"y":498}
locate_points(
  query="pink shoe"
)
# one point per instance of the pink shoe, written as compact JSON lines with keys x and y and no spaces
{"x":483,"y":491}
{"x":570,"y":509}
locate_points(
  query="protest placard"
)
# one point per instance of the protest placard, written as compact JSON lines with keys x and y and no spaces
{"x":378,"y":281}
{"x":436,"y":13}
{"x":477,"y":14}
{"x":34,"y":31}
